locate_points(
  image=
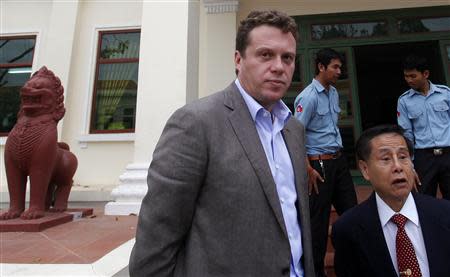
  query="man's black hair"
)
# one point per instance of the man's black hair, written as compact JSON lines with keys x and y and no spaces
{"x":419,"y":63}
{"x":363,"y":147}
{"x":324,"y":57}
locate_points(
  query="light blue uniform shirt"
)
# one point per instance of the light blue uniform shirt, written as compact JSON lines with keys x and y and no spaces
{"x":318,"y":110}
{"x":269,"y":127}
{"x":426,"y":119}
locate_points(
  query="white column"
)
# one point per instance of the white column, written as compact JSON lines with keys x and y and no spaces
{"x":217,"y":45}
{"x":169,"y":38}
{"x":55,"y":50}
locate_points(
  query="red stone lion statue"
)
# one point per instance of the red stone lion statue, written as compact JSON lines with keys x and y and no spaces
{"x":32,"y":151}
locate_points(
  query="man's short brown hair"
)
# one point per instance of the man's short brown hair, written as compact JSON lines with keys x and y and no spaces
{"x":255,"y":19}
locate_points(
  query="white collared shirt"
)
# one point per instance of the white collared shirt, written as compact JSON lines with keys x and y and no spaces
{"x":412,"y":228}
{"x":269,"y":127}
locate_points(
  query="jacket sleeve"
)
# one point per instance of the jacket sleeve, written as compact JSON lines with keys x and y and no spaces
{"x":344,"y":259}
{"x":174,"y":179}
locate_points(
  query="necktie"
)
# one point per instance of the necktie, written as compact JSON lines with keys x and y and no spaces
{"x":406,"y":257}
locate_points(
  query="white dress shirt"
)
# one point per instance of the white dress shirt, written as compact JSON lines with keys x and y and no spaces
{"x":269,"y":126}
{"x":412,"y":228}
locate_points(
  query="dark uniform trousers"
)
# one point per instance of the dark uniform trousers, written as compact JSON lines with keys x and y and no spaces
{"x":433,"y":168}
{"x":338,"y":189}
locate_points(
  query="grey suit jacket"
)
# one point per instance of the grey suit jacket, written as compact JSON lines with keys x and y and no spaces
{"x":212,"y":207}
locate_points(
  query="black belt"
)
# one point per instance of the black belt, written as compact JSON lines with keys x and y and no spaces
{"x":323,"y":157}
{"x":438,"y":151}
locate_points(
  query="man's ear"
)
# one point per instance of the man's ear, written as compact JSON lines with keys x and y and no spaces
{"x":321,"y":67}
{"x":426,"y":73}
{"x":364,"y":169}
{"x":237,"y":60}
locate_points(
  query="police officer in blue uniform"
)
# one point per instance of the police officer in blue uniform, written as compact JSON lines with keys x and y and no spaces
{"x":423,"y":111}
{"x":330,"y":182}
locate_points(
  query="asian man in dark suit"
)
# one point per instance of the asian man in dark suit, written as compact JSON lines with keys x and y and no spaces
{"x":370,"y":239}
{"x":227,"y":186}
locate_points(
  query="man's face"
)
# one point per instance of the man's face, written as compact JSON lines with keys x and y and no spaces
{"x":389,"y":169}
{"x":415,"y":79}
{"x":265,"y":69}
{"x":331,"y":73}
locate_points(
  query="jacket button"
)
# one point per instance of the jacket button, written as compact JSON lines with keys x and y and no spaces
{"x":285,"y":271}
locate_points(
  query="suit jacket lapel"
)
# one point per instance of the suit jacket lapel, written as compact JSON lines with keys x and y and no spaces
{"x":433,"y":229}
{"x":431,"y":240}
{"x":245,"y":130}
{"x":297,"y":155}
{"x":373,"y":235}
{"x":298,"y":162}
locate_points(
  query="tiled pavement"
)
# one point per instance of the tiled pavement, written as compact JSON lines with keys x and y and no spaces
{"x":85,"y":247}
{"x":83,"y":242}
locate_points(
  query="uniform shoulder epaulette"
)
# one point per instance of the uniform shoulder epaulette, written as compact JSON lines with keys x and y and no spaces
{"x":443,"y":87}
{"x":405,"y":93}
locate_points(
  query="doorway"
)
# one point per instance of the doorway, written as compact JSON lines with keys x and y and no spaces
{"x":380,"y":77}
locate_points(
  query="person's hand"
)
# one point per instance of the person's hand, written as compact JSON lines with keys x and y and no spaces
{"x":416,"y":180}
{"x":313,"y":175}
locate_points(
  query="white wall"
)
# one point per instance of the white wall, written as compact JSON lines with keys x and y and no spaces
{"x":100,"y":163}
{"x":217,"y":45}
{"x":102,"y":159}
{"x":22,"y":18}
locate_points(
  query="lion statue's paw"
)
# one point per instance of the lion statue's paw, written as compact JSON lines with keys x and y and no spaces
{"x":10,"y":214}
{"x":32,"y":214}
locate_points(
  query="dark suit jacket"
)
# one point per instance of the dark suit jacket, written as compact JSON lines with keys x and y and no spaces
{"x":212,"y":207}
{"x":361,"y":249}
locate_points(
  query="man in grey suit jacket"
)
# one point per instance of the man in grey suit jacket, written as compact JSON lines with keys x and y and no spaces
{"x":227,"y":186}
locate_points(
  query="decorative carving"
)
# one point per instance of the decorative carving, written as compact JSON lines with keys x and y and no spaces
{"x":221,"y":6}
{"x":32,"y":151}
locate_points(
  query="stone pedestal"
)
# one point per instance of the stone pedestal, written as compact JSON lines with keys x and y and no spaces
{"x":50,"y":219}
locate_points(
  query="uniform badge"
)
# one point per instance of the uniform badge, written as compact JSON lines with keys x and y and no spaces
{"x":299,"y":108}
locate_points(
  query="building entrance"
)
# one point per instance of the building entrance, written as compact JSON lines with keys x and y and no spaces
{"x":380,"y":77}
{"x":373,"y":45}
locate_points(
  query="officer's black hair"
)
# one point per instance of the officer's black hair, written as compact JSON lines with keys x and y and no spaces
{"x":419,"y":63}
{"x":324,"y":57}
{"x":363,"y":146}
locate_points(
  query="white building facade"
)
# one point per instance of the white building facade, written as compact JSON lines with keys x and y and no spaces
{"x":126,"y":66}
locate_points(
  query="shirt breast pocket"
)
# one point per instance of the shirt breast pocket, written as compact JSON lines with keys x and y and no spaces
{"x":337,"y":112}
{"x":417,"y":117}
{"x":415,"y":114}
{"x":441,"y":112}
{"x":320,"y":117}
{"x":321,"y":111}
